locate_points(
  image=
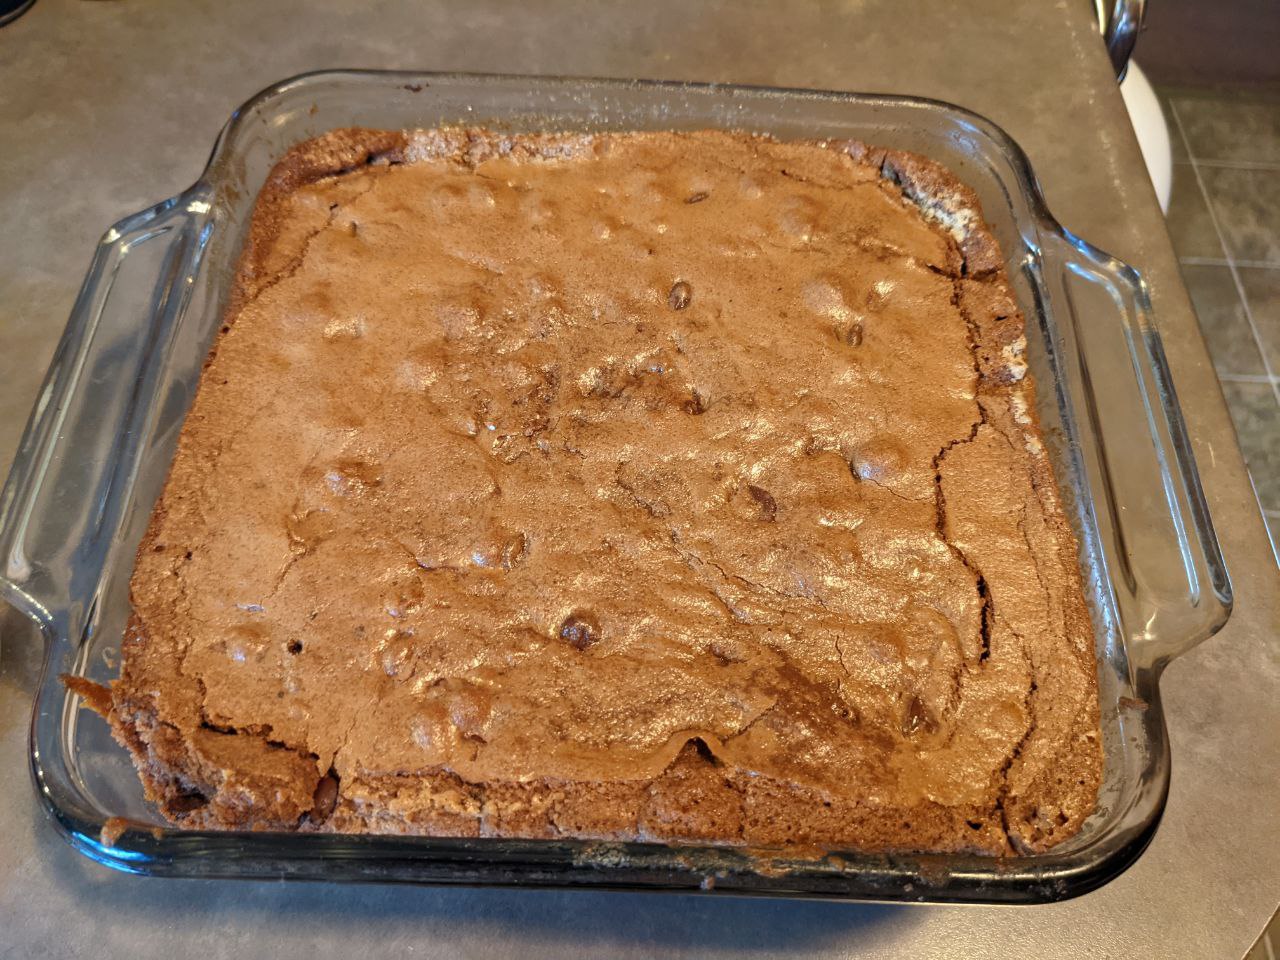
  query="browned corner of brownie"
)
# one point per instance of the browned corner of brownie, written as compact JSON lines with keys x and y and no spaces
{"x":329,"y":155}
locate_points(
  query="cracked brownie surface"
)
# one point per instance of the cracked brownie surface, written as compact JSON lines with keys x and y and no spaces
{"x":658,"y":486}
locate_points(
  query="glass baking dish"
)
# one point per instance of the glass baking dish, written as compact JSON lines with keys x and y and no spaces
{"x":100,"y":438}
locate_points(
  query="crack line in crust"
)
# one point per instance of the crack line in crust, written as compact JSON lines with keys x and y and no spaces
{"x":688,"y":556}
{"x":295,"y":264}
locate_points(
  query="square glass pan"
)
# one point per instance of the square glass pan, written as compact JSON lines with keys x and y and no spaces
{"x":99,"y":441}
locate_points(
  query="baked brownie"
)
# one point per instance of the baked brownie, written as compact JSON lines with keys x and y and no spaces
{"x":638,"y":486}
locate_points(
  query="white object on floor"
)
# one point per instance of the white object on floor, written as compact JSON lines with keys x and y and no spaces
{"x":1148,"y":121}
{"x":1153,"y":136}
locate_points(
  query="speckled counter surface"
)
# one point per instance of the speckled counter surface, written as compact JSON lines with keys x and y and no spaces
{"x":108,"y":107}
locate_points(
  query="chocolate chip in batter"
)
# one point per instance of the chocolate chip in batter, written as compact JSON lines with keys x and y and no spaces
{"x":580,"y":630}
{"x":768,"y":505}
{"x":696,"y":404}
{"x":850,"y":334}
{"x":326,"y":797}
{"x":515,"y":550}
{"x":681,"y":295}
{"x":918,"y":718}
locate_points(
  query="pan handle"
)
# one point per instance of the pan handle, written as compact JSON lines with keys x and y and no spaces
{"x":58,"y":514}
{"x":1154,"y":536}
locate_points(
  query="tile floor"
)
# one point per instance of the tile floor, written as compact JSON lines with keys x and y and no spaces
{"x":1224,"y":217}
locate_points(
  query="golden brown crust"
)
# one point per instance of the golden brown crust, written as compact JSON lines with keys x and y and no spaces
{"x":789,"y":725}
